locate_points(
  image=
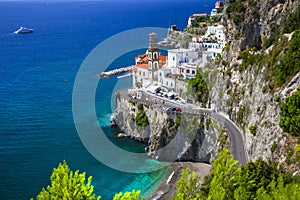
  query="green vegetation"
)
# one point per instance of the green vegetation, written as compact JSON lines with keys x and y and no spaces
{"x":236,"y":11}
{"x":240,"y":115}
{"x":117,"y":95}
{"x":69,"y":185}
{"x":65,"y":184}
{"x":256,"y":180}
{"x":249,"y":58}
{"x":198,"y":87}
{"x":141,"y":118}
{"x":290,"y":62}
{"x":134,"y":195}
{"x":292,"y":23}
{"x":252,"y":130}
{"x":290,"y":114}
{"x":177,"y":120}
{"x":188,"y":186}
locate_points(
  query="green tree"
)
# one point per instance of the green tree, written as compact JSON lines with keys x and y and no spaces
{"x":199,"y":88}
{"x":277,"y":190}
{"x":188,"y":186}
{"x":255,"y":175}
{"x":66,"y":184}
{"x":133,"y":195}
{"x":290,"y":114}
{"x":225,"y":176}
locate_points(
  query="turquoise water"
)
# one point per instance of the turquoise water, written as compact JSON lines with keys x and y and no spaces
{"x":37,"y":73}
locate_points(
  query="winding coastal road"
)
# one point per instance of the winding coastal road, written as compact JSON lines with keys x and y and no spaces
{"x":236,"y":144}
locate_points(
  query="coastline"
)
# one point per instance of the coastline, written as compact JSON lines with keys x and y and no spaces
{"x":167,"y":188}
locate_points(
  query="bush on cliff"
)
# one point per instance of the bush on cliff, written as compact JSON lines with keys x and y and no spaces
{"x":198,"y":87}
{"x":141,"y":118}
{"x":290,"y":114}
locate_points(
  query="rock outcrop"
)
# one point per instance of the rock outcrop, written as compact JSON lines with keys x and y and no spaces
{"x":246,"y":93}
{"x":169,"y":136}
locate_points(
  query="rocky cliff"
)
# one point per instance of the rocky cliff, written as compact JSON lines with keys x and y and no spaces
{"x":245,"y":87}
{"x":168,"y":136}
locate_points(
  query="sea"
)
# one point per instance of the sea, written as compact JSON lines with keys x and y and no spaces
{"x":37,"y":75}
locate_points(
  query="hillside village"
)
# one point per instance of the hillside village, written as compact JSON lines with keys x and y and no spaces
{"x":170,"y":73}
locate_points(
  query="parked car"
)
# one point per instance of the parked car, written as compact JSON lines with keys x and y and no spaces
{"x":178,"y":109}
{"x":170,"y":109}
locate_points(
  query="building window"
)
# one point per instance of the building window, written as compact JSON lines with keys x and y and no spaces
{"x":143,"y":73}
{"x":167,"y":83}
{"x":150,"y":65}
{"x":193,"y":71}
{"x":155,"y":65}
{"x":159,"y":73}
{"x":140,"y":73}
{"x":155,"y":55}
{"x":173,"y":58}
{"x":150,"y":55}
{"x":182,"y":70}
{"x":171,"y":84}
{"x":187,"y":71}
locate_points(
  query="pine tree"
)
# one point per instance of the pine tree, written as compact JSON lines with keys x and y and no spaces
{"x":134,"y":195}
{"x":188,"y":185}
{"x":225,"y":177}
{"x":65,"y":184}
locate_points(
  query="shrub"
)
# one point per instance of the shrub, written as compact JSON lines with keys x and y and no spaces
{"x":252,"y":130}
{"x":290,"y":114}
{"x":141,"y":118}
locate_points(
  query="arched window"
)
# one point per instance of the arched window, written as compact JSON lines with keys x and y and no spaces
{"x":155,"y":55}
{"x":155,"y":65}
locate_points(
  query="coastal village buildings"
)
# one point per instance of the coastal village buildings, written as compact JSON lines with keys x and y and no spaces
{"x":154,"y":69}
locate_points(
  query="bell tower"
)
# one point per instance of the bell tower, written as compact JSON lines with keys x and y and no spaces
{"x":153,"y":56}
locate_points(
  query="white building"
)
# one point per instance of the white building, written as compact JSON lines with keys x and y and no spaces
{"x":178,"y":56}
{"x":195,"y":17}
{"x":214,"y":12}
{"x":187,"y":70}
{"x":217,"y":32}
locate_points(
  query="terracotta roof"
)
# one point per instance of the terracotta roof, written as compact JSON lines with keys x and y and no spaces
{"x":134,"y":69}
{"x":197,"y":36}
{"x":162,"y":58}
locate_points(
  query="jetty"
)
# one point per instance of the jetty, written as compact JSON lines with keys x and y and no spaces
{"x":115,"y":71}
{"x":125,"y":75}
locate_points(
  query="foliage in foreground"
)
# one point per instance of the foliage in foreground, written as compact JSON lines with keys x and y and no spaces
{"x":256,"y":180}
{"x":134,"y":195}
{"x":66,"y":184}
{"x":290,"y":114}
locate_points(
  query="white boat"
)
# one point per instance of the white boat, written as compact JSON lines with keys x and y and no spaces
{"x":23,"y":30}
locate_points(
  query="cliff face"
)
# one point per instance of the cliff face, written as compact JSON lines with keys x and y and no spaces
{"x":243,"y":88}
{"x":169,"y":136}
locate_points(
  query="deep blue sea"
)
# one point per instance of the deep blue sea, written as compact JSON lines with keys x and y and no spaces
{"x":37,"y":73}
